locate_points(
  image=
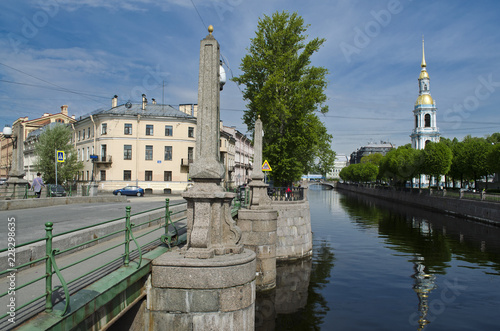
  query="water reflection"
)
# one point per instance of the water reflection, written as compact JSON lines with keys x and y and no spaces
{"x":297,"y":302}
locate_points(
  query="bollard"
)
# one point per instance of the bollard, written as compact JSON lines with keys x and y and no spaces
{"x":167,"y":214}
{"x":48,"y":267}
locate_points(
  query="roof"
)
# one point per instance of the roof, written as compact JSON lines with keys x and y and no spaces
{"x":39,"y":131}
{"x":151,"y":110}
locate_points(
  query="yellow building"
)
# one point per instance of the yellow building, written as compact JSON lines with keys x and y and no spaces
{"x":149,"y":145}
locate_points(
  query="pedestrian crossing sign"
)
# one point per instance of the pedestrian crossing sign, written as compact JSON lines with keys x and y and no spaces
{"x":60,"y":156}
{"x":266,"y":166}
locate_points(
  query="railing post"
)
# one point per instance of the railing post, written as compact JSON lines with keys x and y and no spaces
{"x":167,"y":214}
{"x":127,"y":235}
{"x":48,"y":267}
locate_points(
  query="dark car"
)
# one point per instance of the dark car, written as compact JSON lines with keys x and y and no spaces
{"x":56,"y":190}
{"x":130,"y":190}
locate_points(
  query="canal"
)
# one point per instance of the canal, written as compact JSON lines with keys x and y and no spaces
{"x":381,"y":266}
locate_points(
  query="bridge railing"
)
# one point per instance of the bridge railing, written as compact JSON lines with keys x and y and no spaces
{"x":286,"y":193}
{"x":130,"y":246}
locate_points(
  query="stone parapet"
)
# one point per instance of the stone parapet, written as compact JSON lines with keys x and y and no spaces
{"x":258,"y":229}
{"x":202,"y":294}
{"x":294,"y":234}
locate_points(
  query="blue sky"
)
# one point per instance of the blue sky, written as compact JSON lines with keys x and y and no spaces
{"x":83,"y":52}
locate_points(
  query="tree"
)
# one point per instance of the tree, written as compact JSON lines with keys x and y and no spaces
{"x":54,"y":138}
{"x":475,"y":157}
{"x":493,"y":158}
{"x":437,"y":159}
{"x":374,"y":158}
{"x":285,"y":91}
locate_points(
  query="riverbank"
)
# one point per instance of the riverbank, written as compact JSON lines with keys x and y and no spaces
{"x":482,"y":211}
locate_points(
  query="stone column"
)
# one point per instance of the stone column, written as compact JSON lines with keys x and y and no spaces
{"x":17,"y":184}
{"x":259,"y":223}
{"x":209,"y":284}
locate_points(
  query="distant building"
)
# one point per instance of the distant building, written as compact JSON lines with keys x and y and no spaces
{"x":243,"y":157}
{"x":341,"y":161}
{"x":372,"y":148}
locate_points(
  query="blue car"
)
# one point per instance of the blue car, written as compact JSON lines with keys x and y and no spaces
{"x":130,"y":190}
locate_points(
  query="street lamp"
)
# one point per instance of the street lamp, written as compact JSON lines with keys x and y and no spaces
{"x":7,"y":133}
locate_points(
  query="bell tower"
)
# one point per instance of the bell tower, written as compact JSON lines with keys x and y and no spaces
{"x":425,"y":127}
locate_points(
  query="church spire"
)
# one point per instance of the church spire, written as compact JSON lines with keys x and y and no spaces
{"x":423,"y":65}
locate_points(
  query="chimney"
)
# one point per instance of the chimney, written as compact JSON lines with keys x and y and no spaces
{"x":64,"y":110}
{"x":114,"y":101}
{"x":73,"y":117}
{"x":144,"y":102}
{"x":154,"y":101}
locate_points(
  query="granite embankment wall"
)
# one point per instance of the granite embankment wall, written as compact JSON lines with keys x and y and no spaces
{"x":483,"y":211}
{"x":294,"y":235}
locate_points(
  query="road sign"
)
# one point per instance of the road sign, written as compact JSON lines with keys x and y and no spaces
{"x":266,"y":166}
{"x":60,"y":156}
{"x":94,"y":157}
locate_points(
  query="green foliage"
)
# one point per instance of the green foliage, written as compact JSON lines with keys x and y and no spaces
{"x":401,"y":164}
{"x":437,"y":159}
{"x":285,"y":91}
{"x":374,"y":158}
{"x":493,"y":158}
{"x":361,"y":172}
{"x":57,"y":137}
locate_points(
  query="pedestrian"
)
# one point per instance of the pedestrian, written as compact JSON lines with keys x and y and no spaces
{"x":288,"y":192}
{"x":38,"y":184}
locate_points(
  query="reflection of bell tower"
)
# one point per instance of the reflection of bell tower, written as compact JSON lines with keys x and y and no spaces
{"x":425,"y":128}
{"x":424,"y":284}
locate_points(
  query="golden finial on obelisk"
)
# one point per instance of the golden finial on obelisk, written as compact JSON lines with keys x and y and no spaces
{"x":210,"y":29}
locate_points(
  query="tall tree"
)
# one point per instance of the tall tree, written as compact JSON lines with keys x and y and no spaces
{"x":285,"y":90}
{"x":437,"y":159}
{"x":57,"y":137}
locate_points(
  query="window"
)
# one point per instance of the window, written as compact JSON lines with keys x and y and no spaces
{"x":88,"y":136}
{"x":190,"y":153}
{"x":127,"y":174}
{"x":167,"y":176}
{"x":79,"y":135}
{"x":168,"y":153}
{"x":88,"y":153}
{"x":416,"y":121}
{"x":103,"y":175}
{"x":149,"y":152}
{"x":83,"y":136}
{"x":149,"y":130}
{"x":104,"y":128}
{"x":88,"y":177}
{"x":169,"y":130}
{"x":78,"y":154}
{"x":427,"y":119}
{"x":127,"y":152}
{"x":103,"y":153}
{"x":128,"y":128}
{"x":148,"y":176}
{"x":191,"y":132}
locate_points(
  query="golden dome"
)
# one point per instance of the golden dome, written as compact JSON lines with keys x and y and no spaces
{"x":423,"y":74}
{"x":424,"y":99}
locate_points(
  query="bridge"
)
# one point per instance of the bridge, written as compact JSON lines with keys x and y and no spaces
{"x":326,"y":184}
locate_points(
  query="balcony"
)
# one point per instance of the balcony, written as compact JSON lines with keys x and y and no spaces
{"x":103,"y":159}
{"x":186,"y":162}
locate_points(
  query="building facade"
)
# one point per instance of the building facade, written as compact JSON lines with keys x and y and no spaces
{"x":25,"y":127}
{"x":424,"y":111}
{"x":243,"y":156}
{"x":149,"y":145}
{"x":341,"y":161}
{"x":382,"y":148}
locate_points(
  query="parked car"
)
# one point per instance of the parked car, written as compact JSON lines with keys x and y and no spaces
{"x":56,"y":190}
{"x":130,"y":190}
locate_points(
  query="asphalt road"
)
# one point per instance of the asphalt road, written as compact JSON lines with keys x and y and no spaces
{"x":30,"y":223}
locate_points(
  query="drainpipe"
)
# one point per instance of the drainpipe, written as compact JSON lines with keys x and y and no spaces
{"x":93,"y":163}
{"x":137,"y":151}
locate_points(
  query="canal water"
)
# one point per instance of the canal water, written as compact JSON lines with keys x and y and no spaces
{"x":378,"y":265}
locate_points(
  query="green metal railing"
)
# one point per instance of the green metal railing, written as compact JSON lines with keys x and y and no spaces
{"x":15,"y":192}
{"x":174,"y":235}
{"x":171,"y":228}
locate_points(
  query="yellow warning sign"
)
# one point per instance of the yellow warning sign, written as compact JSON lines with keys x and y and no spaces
{"x":266,"y":166}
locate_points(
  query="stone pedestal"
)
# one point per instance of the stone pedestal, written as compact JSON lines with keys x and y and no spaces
{"x":258,"y":229}
{"x":202,"y":294}
{"x":16,"y":186}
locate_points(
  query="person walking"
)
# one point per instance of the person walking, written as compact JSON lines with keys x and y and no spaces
{"x":38,"y":184}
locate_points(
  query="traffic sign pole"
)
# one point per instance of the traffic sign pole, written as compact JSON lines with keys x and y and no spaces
{"x":55,"y":151}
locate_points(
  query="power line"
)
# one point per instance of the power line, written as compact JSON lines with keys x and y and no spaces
{"x":53,"y":89}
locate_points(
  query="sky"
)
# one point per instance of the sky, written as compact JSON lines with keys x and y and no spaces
{"x":81,"y":53}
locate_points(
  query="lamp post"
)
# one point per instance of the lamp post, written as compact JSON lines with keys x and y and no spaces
{"x":7,"y":133}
